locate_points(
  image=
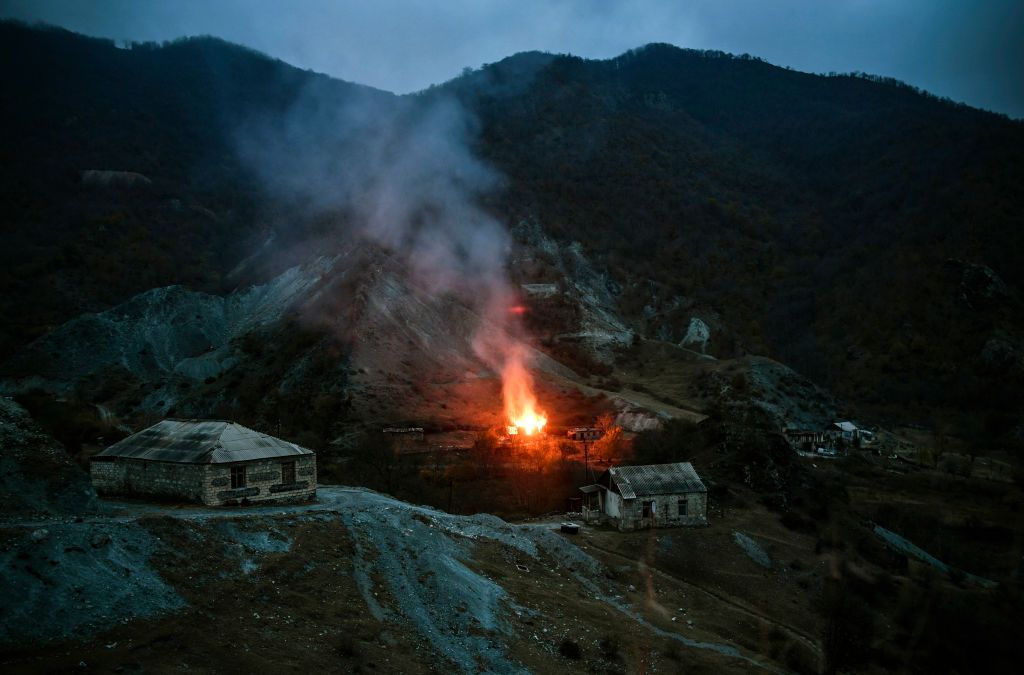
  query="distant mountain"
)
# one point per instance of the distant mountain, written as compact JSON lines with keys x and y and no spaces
{"x":841,"y":224}
{"x":861,"y":231}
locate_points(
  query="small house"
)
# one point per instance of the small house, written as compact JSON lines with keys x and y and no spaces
{"x":846,"y":431}
{"x":409,"y":433}
{"x":212,"y":462}
{"x":653,"y":495}
{"x":805,"y":440}
{"x":405,"y":439}
{"x":849,"y":433}
{"x":584,"y":434}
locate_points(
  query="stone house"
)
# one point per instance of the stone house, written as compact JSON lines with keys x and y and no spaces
{"x":211,"y":462}
{"x":410,"y":433}
{"x":653,"y":495}
{"x":405,"y":439}
{"x":809,"y":441}
{"x":846,"y":431}
{"x":848,"y":434}
{"x":584,"y":434}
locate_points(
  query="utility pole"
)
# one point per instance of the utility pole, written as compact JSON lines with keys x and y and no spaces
{"x":586,"y":461}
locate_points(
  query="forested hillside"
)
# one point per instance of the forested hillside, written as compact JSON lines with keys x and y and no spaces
{"x":860,"y":230}
{"x":863,"y":232}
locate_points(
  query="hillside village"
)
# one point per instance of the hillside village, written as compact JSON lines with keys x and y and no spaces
{"x":684,"y":605}
{"x":675,"y":361}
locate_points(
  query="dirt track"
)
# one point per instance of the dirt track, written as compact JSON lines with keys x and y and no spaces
{"x":733,"y":603}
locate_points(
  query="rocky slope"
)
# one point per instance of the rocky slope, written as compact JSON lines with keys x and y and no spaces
{"x":164,"y":331}
{"x":446,"y":589}
{"x":37,"y":476}
{"x":350,"y":329}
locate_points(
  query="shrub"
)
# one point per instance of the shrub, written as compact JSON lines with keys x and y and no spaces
{"x":792,"y":520}
{"x":609,"y":649}
{"x":570,"y":650}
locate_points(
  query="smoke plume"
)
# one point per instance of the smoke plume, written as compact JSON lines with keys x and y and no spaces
{"x":403,"y":171}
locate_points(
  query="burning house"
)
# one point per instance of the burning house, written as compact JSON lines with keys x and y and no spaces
{"x":653,"y":495}
{"x":212,"y":462}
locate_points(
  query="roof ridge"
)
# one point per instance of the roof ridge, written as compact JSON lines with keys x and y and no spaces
{"x":654,"y":479}
{"x":202,"y":441}
{"x":255,"y":431}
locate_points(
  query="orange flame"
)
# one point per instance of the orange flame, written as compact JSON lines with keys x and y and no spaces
{"x":521,"y":408}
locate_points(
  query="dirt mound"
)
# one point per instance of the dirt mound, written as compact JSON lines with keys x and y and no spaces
{"x":37,"y":477}
{"x":76,"y":579}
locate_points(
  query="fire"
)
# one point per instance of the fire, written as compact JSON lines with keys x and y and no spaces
{"x":521,"y":409}
{"x":530,"y":423}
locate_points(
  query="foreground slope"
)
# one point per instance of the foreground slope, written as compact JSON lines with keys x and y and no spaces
{"x":358,"y":578}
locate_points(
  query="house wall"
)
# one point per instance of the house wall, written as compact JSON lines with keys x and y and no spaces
{"x":139,"y":478}
{"x":666,"y":511}
{"x":612,"y":503}
{"x":204,"y":483}
{"x":263,"y":482}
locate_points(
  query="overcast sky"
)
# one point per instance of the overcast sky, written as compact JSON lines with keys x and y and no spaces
{"x":968,"y":50}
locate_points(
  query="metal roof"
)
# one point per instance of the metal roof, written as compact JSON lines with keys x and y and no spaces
{"x":655,"y":479}
{"x":201,"y":442}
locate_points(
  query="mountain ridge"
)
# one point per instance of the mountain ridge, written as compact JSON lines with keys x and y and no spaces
{"x":809,"y":218}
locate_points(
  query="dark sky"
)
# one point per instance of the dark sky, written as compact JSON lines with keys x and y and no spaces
{"x":968,"y":50}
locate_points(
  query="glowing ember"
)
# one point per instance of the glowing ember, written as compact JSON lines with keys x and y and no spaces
{"x":521,"y":409}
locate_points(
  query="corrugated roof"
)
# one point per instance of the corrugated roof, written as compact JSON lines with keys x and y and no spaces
{"x":201,"y":442}
{"x":655,"y":479}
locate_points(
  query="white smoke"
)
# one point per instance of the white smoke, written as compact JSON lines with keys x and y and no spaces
{"x":403,"y":172}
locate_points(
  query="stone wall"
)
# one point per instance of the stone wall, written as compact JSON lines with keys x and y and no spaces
{"x":204,"y":483}
{"x":612,"y":504}
{"x":666,"y":511}
{"x":263,"y":482}
{"x":107,"y":477}
{"x":139,"y":478}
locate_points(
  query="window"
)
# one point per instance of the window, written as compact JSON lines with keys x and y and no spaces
{"x":682,"y":507}
{"x":237,"y":477}
{"x":648,"y":509}
{"x":287,"y":472}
